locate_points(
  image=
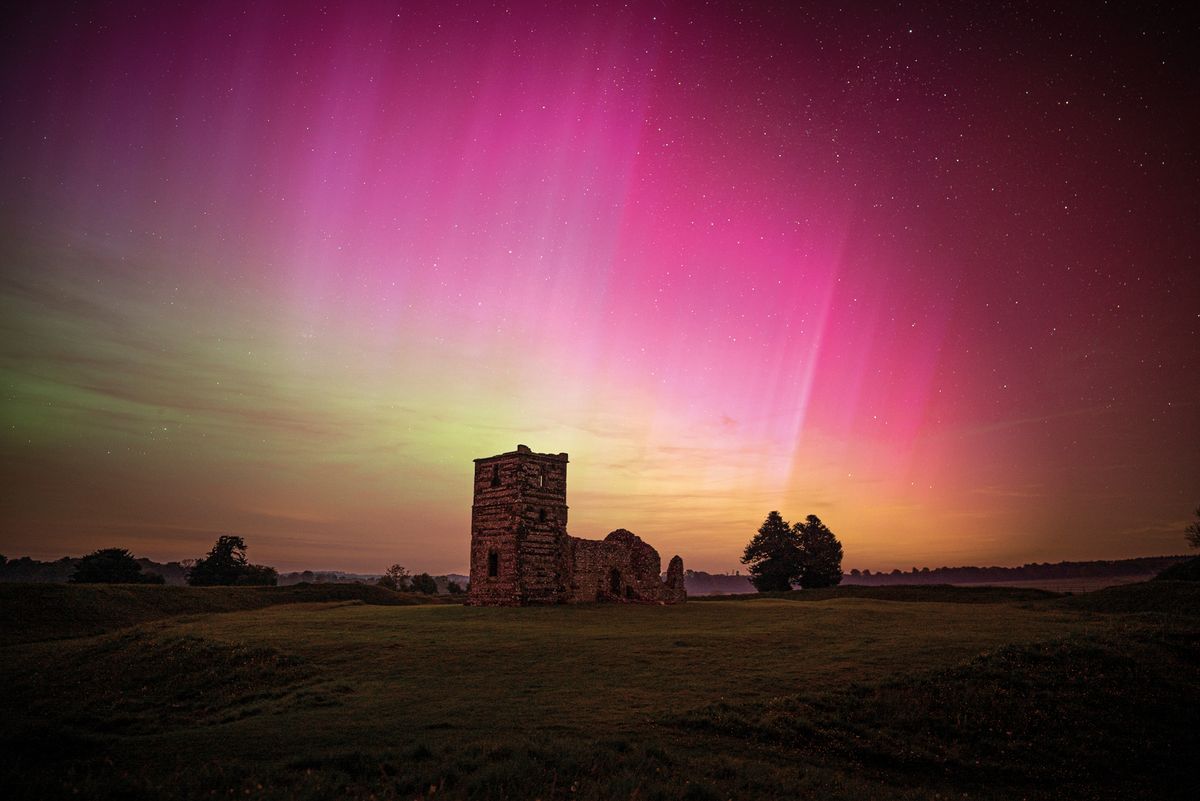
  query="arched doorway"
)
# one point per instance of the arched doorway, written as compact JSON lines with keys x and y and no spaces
{"x":614,"y":581}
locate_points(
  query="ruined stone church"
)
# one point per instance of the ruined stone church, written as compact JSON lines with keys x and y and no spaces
{"x":521,"y":553}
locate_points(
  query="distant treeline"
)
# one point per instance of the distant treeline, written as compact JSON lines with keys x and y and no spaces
{"x":1039,"y":571}
{"x":60,"y":571}
{"x":701,"y":583}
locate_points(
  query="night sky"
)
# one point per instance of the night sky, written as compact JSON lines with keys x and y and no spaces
{"x":927,"y":271}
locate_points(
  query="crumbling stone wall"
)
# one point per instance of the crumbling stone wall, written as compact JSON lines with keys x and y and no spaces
{"x":621,"y":567}
{"x":521,"y":552}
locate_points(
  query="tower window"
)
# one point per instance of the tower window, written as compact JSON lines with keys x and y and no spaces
{"x":541,"y":477}
{"x":541,"y":515}
{"x":495,"y":475}
{"x":493,"y":564}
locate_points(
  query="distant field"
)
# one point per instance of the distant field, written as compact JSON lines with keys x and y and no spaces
{"x":1061,"y":585}
{"x":35,"y":612}
{"x":863,"y":694}
{"x":1072,"y":585}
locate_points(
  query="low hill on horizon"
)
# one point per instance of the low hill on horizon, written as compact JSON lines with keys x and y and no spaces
{"x":1142,"y":566}
{"x":25,"y":570}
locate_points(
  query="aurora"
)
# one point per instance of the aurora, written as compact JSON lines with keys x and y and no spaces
{"x":284,"y":270}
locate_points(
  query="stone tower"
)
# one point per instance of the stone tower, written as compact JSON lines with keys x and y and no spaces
{"x":518,"y":529}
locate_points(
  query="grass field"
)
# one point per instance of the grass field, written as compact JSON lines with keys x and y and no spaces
{"x":887,"y":692}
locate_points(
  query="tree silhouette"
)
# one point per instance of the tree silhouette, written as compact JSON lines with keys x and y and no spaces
{"x":395,"y":578}
{"x":423,"y":582}
{"x":112,"y":566}
{"x":1192,"y":532}
{"x":821,"y":554}
{"x":226,"y":564}
{"x":773,"y":555}
{"x":259,"y":575}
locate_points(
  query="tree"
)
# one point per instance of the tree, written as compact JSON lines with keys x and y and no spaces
{"x":395,"y":578}
{"x":454,"y":588}
{"x":1192,"y":532}
{"x":773,"y":555}
{"x":821,"y":554}
{"x":423,"y":582}
{"x":259,"y":575}
{"x":223,"y":564}
{"x":226,"y":565}
{"x":112,"y":566}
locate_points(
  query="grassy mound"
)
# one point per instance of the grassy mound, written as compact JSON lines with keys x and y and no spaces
{"x":1183,"y":571}
{"x":143,"y":682}
{"x":1104,"y":718}
{"x":911,"y":593}
{"x":1175,"y":598}
{"x":72,"y":702}
{"x":37,"y":612}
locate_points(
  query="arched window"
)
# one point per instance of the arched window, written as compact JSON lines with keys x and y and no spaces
{"x":541,"y":476}
{"x":493,"y":564}
{"x":495,"y":475}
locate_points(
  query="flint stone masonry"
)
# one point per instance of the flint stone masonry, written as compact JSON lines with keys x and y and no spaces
{"x":521,"y":553}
